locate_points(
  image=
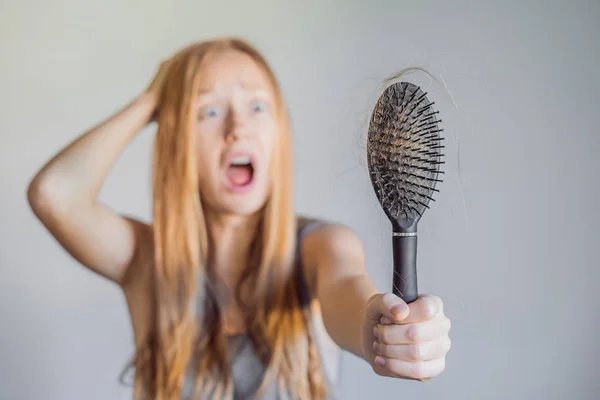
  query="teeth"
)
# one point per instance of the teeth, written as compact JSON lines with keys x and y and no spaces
{"x":241,"y":160}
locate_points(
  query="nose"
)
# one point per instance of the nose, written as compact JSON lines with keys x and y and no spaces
{"x":237,"y":126}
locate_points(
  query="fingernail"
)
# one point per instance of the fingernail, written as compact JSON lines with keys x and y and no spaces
{"x":397,"y":309}
{"x":376,"y":331}
{"x":376,"y":346}
{"x":380,"y":361}
{"x":386,"y":321}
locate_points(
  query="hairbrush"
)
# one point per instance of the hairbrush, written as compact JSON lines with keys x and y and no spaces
{"x":404,"y":155}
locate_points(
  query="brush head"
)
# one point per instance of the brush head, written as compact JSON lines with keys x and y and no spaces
{"x":404,"y":154}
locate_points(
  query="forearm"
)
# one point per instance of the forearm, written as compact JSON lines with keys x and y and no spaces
{"x":344,"y":308}
{"x":78,"y":171}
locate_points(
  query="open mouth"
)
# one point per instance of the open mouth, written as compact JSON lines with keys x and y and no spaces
{"x":240,"y":172}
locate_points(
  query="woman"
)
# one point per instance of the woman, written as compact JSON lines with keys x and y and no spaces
{"x":226,"y":275}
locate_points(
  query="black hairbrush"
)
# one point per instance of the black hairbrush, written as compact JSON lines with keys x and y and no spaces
{"x":404,"y":154}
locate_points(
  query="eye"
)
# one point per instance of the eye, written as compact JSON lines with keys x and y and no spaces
{"x":210,"y":112}
{"x":258,"y":106}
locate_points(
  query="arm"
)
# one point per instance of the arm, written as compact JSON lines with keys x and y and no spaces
{"x":334,"y":259}
{"x":63,"y":194}
{"x":397,"y":339}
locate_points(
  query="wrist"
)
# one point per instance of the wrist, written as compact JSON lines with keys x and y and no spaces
{"x":146,"y":101}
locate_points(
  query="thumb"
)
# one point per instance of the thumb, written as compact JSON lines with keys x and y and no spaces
{"x":387,"y":305}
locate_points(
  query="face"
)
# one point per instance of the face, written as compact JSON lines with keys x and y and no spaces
{"x":235,"y":131}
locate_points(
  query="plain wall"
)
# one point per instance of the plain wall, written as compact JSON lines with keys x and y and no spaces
{"x":510,"y":245}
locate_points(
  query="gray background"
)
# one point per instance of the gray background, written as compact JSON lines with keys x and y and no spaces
{"x":510,"y":245}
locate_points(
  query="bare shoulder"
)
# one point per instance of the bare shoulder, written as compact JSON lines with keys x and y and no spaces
{"x":331,"y":239}
{"x":330,"y":252}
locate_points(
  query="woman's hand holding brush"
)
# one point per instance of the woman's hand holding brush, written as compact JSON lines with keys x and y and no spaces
{"x":407,"y":341}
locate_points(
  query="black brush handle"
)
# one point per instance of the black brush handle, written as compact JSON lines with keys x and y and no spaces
{"x":405,"y":266}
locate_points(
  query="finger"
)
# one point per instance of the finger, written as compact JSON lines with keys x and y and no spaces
{"x":415,"y":351}
{"x":413,"y":370}
{"x":387,"y":305}
{"x":426,"y":307}
{"x":417,"y":332}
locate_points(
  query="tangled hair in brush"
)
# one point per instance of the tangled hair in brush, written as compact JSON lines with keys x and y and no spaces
{"x":277,"y":322}
{"x":404,"y":152}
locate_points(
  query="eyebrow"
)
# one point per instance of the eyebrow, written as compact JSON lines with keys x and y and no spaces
{"x":260,"y":93}
{"x":202,"y":91}
{"x":205,"y":90}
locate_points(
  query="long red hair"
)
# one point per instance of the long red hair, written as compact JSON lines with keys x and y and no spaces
{"x":182,"y":333}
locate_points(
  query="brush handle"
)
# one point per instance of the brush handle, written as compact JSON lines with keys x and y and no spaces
{"x":405,"y":266}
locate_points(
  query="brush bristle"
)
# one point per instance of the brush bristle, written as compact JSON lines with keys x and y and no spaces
{"x":404,"y":152}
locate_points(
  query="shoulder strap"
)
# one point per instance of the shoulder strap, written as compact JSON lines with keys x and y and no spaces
{"x":304,"y":226}
{"x":303,"y":221}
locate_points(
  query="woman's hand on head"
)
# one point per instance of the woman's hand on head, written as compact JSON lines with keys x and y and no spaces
{"x":406,"y":340}
{"x":155,"y":88}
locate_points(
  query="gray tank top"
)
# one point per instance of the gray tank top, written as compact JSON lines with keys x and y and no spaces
{"x":247,"y":370}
